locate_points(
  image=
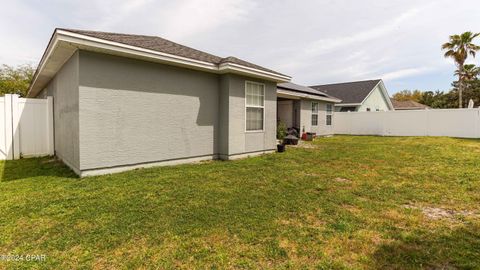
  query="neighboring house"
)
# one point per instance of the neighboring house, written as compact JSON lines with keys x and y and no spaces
{"x":358,"y":96}
{"x":408,"y":105}
{"x":305,"y":108}
{"x":127,"y":101}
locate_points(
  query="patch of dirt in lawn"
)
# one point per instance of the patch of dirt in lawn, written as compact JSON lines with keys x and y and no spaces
{"x":438,"y":213}
{"x":50,"y":160}
{"x":351,"y":249}
{"x":304,"y":144}
{"x":290,"y":247}
{"x":352,"y":209}
{"x":475,"y":147}
{"x":310,"y":174}
{"x":310,"y":220}
{"x":342,"y":180}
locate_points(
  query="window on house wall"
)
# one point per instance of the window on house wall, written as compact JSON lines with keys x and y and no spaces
{"x":329,"y":114}
{"x":368,"y":109}
{"x":314,"y":113}
{"x":255,"y":106}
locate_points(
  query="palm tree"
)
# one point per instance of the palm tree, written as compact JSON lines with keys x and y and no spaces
{"x":459,"y":48}
{"x":470,"y":72}
{"x":470,"y":76}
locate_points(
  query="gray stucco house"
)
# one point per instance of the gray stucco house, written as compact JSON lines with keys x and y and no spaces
{"x":127,"y":101}
{"x":370,"y":95}
{"x":305,"y":109}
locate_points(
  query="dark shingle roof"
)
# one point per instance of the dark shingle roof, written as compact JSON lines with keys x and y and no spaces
{"x":350,"y":92}
{"x":237,"y":61}
{"x":408,"y":105}
{"x":166,"y":46}
{"x":301,"y":88}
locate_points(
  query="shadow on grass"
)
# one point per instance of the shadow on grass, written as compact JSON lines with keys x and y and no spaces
{"x":33,"y":167}
{"x":475,"y":140}
{"x":451,"y":249}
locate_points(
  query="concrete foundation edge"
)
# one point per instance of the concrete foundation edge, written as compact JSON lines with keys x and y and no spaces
{"x":123,"y":168}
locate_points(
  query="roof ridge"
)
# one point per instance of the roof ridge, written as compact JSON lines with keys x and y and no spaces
{"x":375,"y":80}
{"x":107,"y":32}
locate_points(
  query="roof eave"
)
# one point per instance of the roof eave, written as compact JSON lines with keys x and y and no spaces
{"x":290,"y":93}
{"x":385,"y":93}
{"x":73,"y":41}
{"x":239,"y":69}
{"x":348,"y":104}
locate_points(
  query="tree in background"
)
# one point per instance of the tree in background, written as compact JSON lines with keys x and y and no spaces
{"x":473,"y":92}
{"x":459,"y":48}
{"x":470,"y":72}
{"x":445,"y":100}
{"x":405,"y":95}
{"x":437,"y":99}
{"x":15,"y":80}
{"x":471,"y":84}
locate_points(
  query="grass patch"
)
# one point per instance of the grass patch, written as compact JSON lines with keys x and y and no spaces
{"x":338,"y":204}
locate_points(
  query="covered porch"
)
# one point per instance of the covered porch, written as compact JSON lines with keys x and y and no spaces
{"x":305,"y":109}
{"x":288,"y":112}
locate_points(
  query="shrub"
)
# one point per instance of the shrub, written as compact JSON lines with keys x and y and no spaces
{"x":281,"y":130}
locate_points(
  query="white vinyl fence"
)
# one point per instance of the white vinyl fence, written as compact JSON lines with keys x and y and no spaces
{"x":26,"y":127}
{"x":439,"y":122}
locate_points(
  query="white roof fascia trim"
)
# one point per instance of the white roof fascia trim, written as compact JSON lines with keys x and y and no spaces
{"x":62,"y":35}
{"x":69,"y":37}
{"x":303,"y":95}
{"x":45,"y":56}
{"x":80,"y":39}
{"x":348,"y":104}
{"x":240,"y":68}
{"x":386,"y":96}
{"x":174,"y":58}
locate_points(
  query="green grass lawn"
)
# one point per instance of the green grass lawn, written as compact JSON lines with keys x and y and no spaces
{"x":344,"y":203}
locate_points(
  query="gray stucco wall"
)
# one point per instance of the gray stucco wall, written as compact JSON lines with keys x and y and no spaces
{"x":113,"y":111}
{"x":306,"y":117}
{"x":135,"y":112}
{"x":223,"y":117}
{"x":239,"y":140}
{"x":64,"y":88}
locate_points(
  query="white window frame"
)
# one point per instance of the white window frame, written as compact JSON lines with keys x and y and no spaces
{"x":250,"y":106}
{"x":314,"y":113}
{"x":329,"y":113}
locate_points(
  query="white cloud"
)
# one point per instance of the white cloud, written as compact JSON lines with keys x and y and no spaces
{"x":323,"y":46}
{"x":118,"y":13}
{"x":314,"y":41}
{"x":193,"y":17}
{"x":402,"y":73}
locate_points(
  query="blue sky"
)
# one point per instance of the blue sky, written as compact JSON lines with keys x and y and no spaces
{"x":315,"y":42}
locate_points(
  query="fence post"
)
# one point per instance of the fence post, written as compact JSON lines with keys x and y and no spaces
{"x":50,"y":131}
{"x":384,"y":120}
{"x":427,"y":123}
{"x":8,"y":127}
{"x":16,"y":126}
{"x":477,"y":123}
